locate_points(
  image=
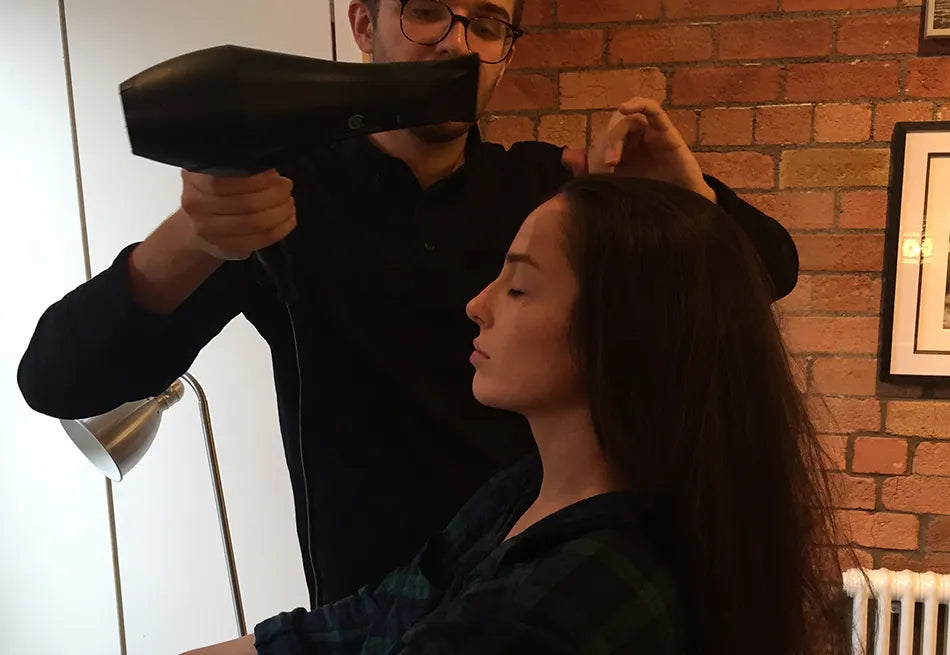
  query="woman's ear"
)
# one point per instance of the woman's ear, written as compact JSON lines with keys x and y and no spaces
{"x":361,"y":22}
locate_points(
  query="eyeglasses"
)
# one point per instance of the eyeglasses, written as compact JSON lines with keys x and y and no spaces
{"x":427,"y":22}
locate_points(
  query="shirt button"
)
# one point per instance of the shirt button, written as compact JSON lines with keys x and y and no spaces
{"x":429,"y":246}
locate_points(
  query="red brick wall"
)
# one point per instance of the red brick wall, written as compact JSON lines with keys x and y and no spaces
{"x":792,"y":103}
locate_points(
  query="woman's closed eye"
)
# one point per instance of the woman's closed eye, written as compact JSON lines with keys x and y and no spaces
{"x":515,"y":293}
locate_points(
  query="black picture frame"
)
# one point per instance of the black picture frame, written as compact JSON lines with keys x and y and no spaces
{"x":892,"y":252}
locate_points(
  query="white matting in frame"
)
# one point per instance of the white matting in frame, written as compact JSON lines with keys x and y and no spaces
{"x":937,"y":19}
{"x":920,"y":343}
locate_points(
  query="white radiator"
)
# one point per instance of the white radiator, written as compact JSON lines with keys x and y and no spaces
{"x":898,"y":593}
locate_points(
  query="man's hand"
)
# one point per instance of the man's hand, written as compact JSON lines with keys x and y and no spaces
{"x":641,"y":141}
{"x":231,"y":217}
{"x":242,"y":646}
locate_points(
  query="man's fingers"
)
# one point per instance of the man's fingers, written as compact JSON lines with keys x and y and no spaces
{"x":227,"y":186}
{"x":651,"y":110}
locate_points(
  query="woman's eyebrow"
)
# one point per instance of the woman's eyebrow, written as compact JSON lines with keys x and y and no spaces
{"x":521,"y":258}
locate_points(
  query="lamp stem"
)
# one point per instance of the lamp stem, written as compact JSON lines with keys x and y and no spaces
{"x":219,"y":502}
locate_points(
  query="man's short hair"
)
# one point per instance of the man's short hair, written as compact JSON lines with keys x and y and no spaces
{"x":373,"y":6}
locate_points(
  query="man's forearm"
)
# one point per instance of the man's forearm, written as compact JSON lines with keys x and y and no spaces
{"x":167,"y":267}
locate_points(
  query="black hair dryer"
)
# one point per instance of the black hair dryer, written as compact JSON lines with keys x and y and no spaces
{"x":231,"y":110}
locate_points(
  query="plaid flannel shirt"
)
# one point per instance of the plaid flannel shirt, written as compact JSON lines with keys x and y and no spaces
{"x":582,"y":580}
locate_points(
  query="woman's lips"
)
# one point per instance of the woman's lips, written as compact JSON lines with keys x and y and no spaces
{"x":478,"y":354}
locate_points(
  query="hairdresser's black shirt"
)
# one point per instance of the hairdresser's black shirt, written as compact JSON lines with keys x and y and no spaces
{"x":393,"y":441}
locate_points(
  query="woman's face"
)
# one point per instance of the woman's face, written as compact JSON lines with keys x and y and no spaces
{"x":522,"y":356}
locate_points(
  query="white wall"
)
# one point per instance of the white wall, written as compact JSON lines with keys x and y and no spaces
{"x":55,"y":563}
{"x":56,"y":589}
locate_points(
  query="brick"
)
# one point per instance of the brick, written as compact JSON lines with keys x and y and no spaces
{"x":836,"y":450}
{"x":879,"y":455}
{"x":863,"y":210}
{"x":799,"y":300}
{"x":775,"y":39}
{"x":878,"y":35}
{"x":563,"y":49}
{"x":798,"y":367}
{"x":845,"y":415}
{"x":938,"y":533}
{"x":833,"y":252}
{"x":603,"y":89}
{"x":537,"y":12}
{"x":881,"y":529}
{"x":845,"y":81}
{"x":850,"y":558}
{"x":886,"y":115}
{"x":846,"y":293}
{"x":524,"y":91}
{"x":740,"y":170}
{"x":831,"y":334}
{"x":932,"y":459}
{"x":665,"y":43}
{"x":842,"y":123}
{"x":833,"y":293}
{"x":943,"y":112}
{"x":796,"y":210}
{"x":831,"y":167}
{"x":927,"y":419}
{"x":851,"y":492}
{"x":722,"y":85}
{"x":564,"y":130}
{"x":607,"y":11}
{"x":936,"y":562}
{"x":844,"y":376}
{"x":832,"y":5}
{"x":686,"y":122}
{"x":897,"y":390}
{"x":696,"y":8}
{"x":917,"y":494}
{"x":928,"y":78}
{"x":726,"y":126}
{"x":783,"y":124}
{"x":507,"y":130}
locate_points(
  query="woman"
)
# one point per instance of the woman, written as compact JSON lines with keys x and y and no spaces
{"x":676,"y":504}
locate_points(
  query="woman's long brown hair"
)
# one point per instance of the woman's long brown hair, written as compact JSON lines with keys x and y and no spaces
{"x":693,"y":399}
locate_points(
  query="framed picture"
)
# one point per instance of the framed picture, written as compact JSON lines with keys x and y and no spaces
{"x":915,"y":317}
{"x":936,"y":18}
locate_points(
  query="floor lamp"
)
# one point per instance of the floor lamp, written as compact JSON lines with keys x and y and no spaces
{"x":115,"y":442}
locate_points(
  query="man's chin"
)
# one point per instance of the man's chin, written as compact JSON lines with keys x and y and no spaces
{"x":442,"y":132}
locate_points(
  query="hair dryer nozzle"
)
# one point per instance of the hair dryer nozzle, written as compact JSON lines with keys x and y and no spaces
{"x":231,"y":110}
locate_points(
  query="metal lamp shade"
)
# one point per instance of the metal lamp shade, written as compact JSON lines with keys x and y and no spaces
{"x":115,"y":441}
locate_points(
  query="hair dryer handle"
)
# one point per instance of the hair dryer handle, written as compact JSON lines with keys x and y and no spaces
{"x":275,"y":259}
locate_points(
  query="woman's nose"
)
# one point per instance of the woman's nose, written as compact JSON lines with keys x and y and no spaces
{"x":475,"y":309}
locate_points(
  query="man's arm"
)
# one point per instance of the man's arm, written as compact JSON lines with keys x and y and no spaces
{"x":133,"y":329}
{"x":641,"y":141}
{"x":97,"y":348}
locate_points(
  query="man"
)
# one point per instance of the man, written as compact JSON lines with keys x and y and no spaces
{"x":390,"y":236}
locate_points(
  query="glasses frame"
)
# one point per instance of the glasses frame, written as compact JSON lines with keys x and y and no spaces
{"x":516,"y":33}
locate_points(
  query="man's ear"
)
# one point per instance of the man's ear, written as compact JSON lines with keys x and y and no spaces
{"x":361,"y":22}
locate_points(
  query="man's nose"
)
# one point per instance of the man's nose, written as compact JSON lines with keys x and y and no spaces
{"x":454,"y":42}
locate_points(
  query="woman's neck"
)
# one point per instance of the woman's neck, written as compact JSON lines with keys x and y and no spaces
{"x":429,"y":161}
{"x":573,"y":464}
